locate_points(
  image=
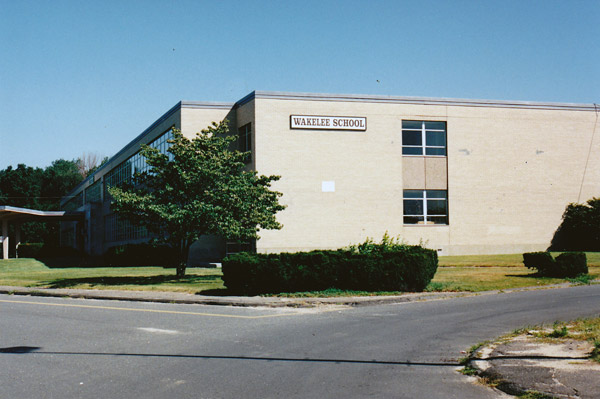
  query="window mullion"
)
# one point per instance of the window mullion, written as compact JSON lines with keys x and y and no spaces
{"x":425,"y":206}
{"x":423,"y":137}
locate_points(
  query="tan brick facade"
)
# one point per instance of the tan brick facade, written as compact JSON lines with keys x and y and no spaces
{"x":510,"y":170}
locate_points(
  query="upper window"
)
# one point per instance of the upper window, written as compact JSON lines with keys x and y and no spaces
{"x":245,"y":139}
{"x":423,"y":138}
{"x":425,"y":207}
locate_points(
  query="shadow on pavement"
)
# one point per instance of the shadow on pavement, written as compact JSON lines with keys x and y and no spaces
{"x":218,"y":357}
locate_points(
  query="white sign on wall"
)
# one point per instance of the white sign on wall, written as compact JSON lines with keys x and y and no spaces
{"x":328,"y":186}
{"x":328,"y":122}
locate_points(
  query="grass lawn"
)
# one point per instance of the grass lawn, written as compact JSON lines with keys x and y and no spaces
{"x":33,"y":273}
{"x":456,"y":273}
{"x":494,"y":272}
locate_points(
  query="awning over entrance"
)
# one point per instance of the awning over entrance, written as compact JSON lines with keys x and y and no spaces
{"x":20,"y":215}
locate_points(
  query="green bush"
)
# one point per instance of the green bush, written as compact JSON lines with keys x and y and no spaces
{"x":542,"y":261}
{"x":571,"y":264}
{"x":568,"y":264}
{"x":140,"y":255}
{"x":29,"y":250}
{"x":409,"y":268}
{"x":50,"y":251}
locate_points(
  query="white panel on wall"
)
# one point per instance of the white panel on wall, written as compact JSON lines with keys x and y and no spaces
{"x":328,"y":186}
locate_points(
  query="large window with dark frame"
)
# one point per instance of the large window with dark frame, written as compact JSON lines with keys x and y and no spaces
{"x":423,"y":138}
{"x":245,"y":140}
{"x":425,"y":207}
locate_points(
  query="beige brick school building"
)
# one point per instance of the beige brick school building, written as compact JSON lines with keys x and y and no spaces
{"x":460,"y":176}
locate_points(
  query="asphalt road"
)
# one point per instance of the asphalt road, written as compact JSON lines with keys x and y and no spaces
{"x":74,"y":348}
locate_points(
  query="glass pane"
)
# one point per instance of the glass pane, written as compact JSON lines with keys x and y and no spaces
{"x":435,"y":139}
{"x":413,"y":193}
{"x":411,"y":138}
{"x":438,"y":220}
{"x":434,"y":151}
{"x":413,"y":207}
{"x":436,"y":194}
{"x":412,"y":150}
{"x":412,"y":124}
{"x":436,"y":207}
{"x":435,"y":125}
{"x":413,"y":219}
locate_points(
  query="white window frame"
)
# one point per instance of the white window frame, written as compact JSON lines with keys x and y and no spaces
{"x":427,"y":218}
{"x":423,"y":146}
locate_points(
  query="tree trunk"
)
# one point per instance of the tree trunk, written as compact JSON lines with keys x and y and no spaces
{"x":184,"y":250}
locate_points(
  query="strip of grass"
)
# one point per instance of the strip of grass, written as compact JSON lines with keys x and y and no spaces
{"x":510,"y":260}
{"x":474,"y":279}
{"x":456,"y":273}
{"x":497,"y":272}
{"x":333,"y":292}
{"x":33,"y":273}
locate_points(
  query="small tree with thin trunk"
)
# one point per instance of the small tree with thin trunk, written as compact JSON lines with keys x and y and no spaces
{"x":201,"y":187}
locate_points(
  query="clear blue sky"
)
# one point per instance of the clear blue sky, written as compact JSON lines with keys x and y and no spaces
{"x":88,"y":76}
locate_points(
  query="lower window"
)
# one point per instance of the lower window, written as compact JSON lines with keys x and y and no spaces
{"x":425,"y":207}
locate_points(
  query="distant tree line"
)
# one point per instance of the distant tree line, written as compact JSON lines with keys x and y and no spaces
{"x":42,"y":189}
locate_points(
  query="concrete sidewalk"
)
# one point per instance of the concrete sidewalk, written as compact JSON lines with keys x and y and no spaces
{"x":558,"y":368}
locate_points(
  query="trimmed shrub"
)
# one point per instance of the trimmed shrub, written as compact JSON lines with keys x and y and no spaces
{"x":542,"y":261}
{"x":571,"y":264}
{"x":51,"y":251}
{"x":568,"y":264}
{"x":410,"y":268}
{"x":140,"y":255}
{"x":29,"y":249}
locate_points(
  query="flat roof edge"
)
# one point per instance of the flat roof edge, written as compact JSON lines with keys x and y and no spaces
{"x":421,"y":100}
{"x":206,"y":105}
{"x":166,"y":115}
{"x":37,"y":212}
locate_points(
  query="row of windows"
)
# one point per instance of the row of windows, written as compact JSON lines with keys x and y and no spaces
{"x":137,"y":163}
{"x":75,"y":202}
{"x":93,"y":192}
{"x":117,"y":229}
{"x":425,"y":138}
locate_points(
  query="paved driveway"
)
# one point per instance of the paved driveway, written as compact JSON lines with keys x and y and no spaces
{"x":74,"y":348}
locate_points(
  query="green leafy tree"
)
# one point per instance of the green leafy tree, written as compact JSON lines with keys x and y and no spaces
{"x":36,"y":188}
{"x":58,"y":179}
{"x":201,"y":187}
{"x":22,"y":187}
{"x":580,"y":228}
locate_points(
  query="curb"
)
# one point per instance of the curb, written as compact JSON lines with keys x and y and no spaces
{"x":243,"y":301}
{"x":183,"y":298}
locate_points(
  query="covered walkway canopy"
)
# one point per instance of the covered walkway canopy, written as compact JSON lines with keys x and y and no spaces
{"x":21,"y":215}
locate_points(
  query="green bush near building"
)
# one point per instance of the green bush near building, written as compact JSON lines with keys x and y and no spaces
{"x":383,"y":267}
{"x":568,"y":264}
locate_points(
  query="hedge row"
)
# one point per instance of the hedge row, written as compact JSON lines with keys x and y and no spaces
{"x":568,"y":264}
{"x":410,"y":268}
{"x":40,"y":250}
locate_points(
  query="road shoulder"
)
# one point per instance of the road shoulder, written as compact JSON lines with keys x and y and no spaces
{"x":524,"y":363}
